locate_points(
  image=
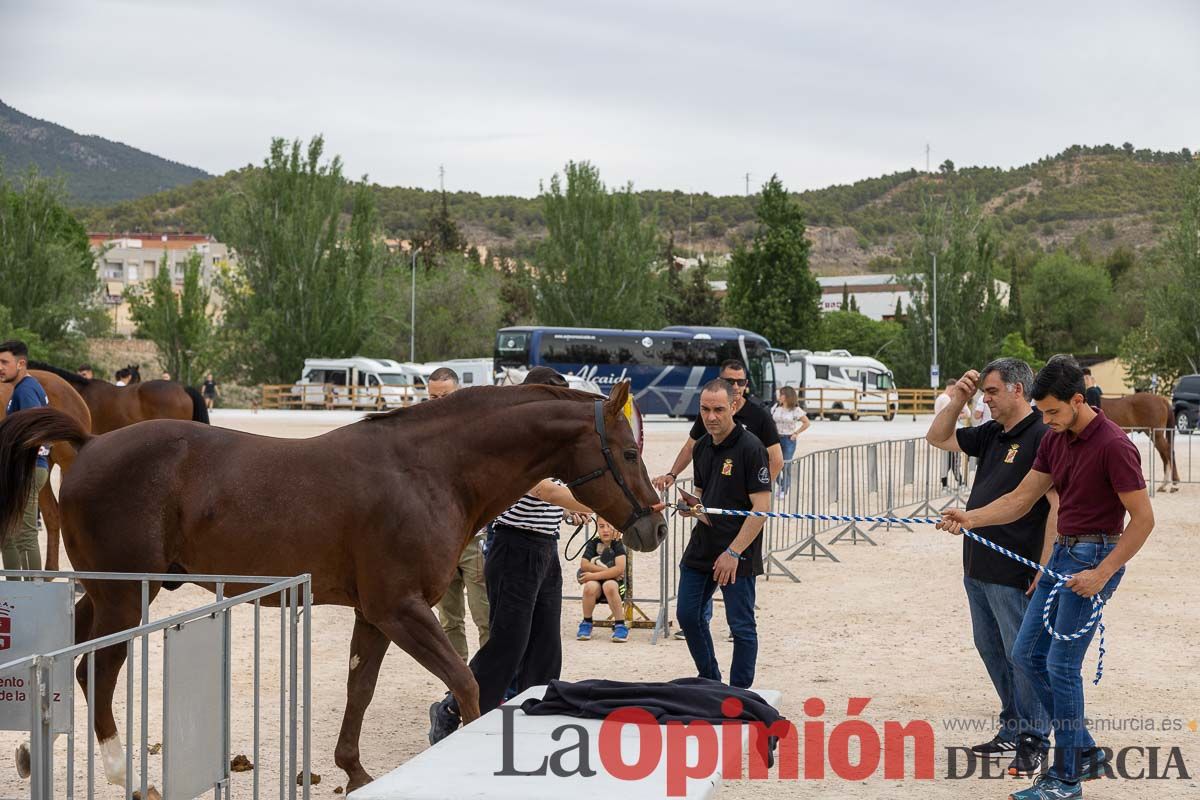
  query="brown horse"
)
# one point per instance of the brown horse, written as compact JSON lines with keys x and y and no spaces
{"x":1152,"y":414}
{"x":377,"y":512}
{"x":67,"y":400}
{"x":115,"y":406}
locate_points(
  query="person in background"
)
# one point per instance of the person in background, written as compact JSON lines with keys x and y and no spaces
{"x":21,"y":549}
{"x":122,"y":376}
{"x":950,"y":460}
{"x":166,"y":376}
{"x":468,"y":577}
{"x":1092,"y":393}
{"x":601,"y":573}
{"x":209,"y":390}
{"x":85,"y":371}
{"x":791,"y":421}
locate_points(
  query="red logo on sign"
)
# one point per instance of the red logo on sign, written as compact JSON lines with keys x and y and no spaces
{"x":5,"y":626}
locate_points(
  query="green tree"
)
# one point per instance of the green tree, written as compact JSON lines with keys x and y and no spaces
{"x":179,"y":323}
{"x":306,"y":283}
{"x":1013,"y":346}
{"x":596,"y":267}
{"x":689,"y":299}
{"x":443,"y":236}
{"x":771,"y":290}
{"x":48,"y":281}
{"x":459,"y":309}
{"x":1069,"y":307}
{"x":1167,"y":343}
{"x":970,"y":315}
{"x":858,"y":333}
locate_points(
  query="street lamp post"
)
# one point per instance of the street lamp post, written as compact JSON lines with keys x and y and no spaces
{"x":934,"y":370}
{"x":412,"y":329}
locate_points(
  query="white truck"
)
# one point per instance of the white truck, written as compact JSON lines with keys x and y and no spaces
{"x":359,"y":382}
{"x":834,"y":383}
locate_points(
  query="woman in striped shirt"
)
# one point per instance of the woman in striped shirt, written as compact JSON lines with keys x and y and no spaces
{"x":524,"y":586}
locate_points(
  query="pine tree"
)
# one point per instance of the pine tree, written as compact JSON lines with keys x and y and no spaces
{"x":771,"y":290}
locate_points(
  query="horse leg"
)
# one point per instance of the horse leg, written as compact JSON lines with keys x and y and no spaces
{"x":368,"y":646}
{"x":48,"y":504}
{"x":110,"y":614}
{"x":416,"y":631}
{"x":1164,"y":453}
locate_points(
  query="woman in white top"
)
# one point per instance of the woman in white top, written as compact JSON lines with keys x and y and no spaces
{"x":791,"y":421}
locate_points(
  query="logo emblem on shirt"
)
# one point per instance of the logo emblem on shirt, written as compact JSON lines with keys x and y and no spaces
{"x":764,"y":475}
{"x":1012,"y":453}
{"x":727,"y":467}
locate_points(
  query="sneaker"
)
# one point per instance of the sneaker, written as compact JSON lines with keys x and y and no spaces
{"x":443,"y":720}
{"x":679,"y":635}
{"x":1094,"y":763}
{"x":1048,"y":788}
{"x":996,"y":746}
{"x":585,"y":631}
{"x":620,"y":632}
{"x":1030,"y":758}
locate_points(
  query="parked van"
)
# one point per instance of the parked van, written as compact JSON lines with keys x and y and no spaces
{"x":359,"y":382}
{"x":835,"y":383}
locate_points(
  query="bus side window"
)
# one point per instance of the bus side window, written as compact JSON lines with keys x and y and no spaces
{"x":821,"y":371}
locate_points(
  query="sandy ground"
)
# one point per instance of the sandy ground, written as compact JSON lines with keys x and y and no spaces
{"x":888,"y":623}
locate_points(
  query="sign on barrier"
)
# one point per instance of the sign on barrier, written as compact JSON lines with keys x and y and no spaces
{"x":194,"y":707}
{"x":35,"y":618}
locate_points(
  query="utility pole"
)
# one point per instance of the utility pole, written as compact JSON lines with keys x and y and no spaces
{"x":747,"y":184}
{"x":927,"y":157}
{"x":442,"y":177}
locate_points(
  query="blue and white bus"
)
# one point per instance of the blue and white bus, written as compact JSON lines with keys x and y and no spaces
{"x":666,"y":368}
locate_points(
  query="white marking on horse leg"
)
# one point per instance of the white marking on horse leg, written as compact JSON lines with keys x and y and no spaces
{"x":354,"y":662}
{"x":113,"y":756}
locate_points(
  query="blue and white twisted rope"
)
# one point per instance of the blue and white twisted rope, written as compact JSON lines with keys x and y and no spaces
{"x":1060,"y":580}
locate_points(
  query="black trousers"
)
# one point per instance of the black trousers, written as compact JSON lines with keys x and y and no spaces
{"x":524,"y":586}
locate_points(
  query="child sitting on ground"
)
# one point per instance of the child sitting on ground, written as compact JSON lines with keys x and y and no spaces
{"x":602,"y":575}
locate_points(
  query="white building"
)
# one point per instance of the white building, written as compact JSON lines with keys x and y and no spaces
{"x":875,"y":295}
{"x":127,"y":260}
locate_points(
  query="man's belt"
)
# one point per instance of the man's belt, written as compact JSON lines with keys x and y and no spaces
{"x":1087,"y":538}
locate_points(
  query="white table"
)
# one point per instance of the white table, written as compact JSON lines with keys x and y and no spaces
{"x":464,"y":764}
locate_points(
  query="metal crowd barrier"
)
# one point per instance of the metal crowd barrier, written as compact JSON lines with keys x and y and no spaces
{"x":872,"y":479}
{"x":1185,"y":450}
{"x":196,"y":685}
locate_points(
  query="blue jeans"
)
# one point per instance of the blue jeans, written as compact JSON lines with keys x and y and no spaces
{"x":996,"y":615}
{"x":788,"y":445}
{"x":696,"y":590}
{"x":1053,"y":666}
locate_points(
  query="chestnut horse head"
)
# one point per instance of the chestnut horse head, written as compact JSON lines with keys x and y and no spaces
{"x":609,"y":475}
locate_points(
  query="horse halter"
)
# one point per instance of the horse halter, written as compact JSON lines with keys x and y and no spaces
{"x":640,"y":510}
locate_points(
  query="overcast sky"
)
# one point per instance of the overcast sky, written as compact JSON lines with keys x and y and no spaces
{"x":686,"y":94}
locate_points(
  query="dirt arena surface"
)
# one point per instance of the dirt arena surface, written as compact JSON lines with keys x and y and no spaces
{"x":889,"y":623}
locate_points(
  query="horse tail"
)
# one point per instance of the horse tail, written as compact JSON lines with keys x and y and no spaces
{"x":21,"y":434}
{"x":199,"y":409}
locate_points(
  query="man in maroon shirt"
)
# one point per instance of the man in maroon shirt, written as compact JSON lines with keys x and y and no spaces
{"x":1097,"y":472}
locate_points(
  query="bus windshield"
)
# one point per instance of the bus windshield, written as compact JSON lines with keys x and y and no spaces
{"x":512,"y":349}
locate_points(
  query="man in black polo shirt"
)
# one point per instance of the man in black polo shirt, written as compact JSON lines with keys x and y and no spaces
{"x":747,"y":412}
{"x":997,"y":587}
{"x":731,"y":471}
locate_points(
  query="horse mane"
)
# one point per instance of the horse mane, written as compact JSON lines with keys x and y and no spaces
{"x":540,"y":392}
{"x":73,"y":378}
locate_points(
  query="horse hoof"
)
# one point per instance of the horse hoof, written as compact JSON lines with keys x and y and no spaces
{"x":357,"y":783}
{"x":24,"y":763}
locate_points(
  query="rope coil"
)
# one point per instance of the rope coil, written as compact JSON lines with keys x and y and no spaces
{"x":1060,"y":579}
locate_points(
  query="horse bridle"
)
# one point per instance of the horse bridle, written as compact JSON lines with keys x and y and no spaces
{"x":640,"y":510}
